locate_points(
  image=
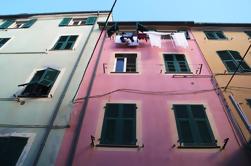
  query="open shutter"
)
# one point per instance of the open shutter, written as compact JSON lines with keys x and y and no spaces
{"x":65,"y":22}
{"x":182,"y":65}
{"x":90,"y":20}
{"x":49,"y":77}
{"x":131,"y":62}
{"x":29,"y":23}
{"x":6,"y":24}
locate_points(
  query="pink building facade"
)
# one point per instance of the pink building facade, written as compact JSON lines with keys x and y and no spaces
{"x":149,"y":106}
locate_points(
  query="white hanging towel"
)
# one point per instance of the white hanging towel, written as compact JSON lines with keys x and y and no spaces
{"x":155,"y":38}
{"x":180,"y":39}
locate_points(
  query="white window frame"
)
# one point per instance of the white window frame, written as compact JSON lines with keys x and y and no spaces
{"x":115,"y":64}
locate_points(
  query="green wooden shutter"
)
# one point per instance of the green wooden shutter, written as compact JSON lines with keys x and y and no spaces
{"x":49,"y":77}
{"x":181,"y":63}
{"x":131,"y":62}
{"x":65,"y":21}
{"x":210,"y":35}
{"x":184,"y":124}
{"x":204,"y":134}
{"x":169,"y":63}
{"x":237,"y":57}
{"x":6,"y":24}
{"x":227,"y":60}
{"x":119,"y":125}
{"x":90,"y":20}
{"x":29,"y":23}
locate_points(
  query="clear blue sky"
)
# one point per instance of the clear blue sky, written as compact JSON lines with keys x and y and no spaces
{"x":143,"y":10}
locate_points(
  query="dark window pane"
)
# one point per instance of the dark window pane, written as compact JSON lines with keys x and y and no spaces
{"x":236,"y":55}
{"x":63,"y":38}
{"x":180,"y":57}
{"x":72,"y":38}
{"x":168,"y":57}
{"x":120,"y":65}
{"x":248,"y":33}
{"x":11,"y":149}
{"x":249,"y":102}
{"x":68,"y":46}
{"x":220,"y":35}
{"x":210,"y":35}
{"x":231,"y":66}
{"x":224,"y":55}
{"x":58,"y":46}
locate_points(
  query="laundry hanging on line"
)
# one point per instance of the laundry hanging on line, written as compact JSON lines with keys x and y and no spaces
{"x":180,"y":39}
{"x":155,"y":38}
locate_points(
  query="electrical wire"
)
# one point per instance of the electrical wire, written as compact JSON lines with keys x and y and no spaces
{"x":143,"y":92}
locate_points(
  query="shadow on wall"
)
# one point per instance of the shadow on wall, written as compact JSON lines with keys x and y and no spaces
{"x":241,"y":157}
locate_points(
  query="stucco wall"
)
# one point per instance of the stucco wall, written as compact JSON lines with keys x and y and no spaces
{"x":156,"y":126}
{"x":240,"y":86}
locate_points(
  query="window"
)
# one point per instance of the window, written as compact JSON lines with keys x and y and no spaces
{"x":65,"y":42}
{"x":215,"y":35}
{"x":41,"y":83}
{"x":125,"y":63}
{"x":17,"y":24}
{"x":176,"y":63}
{"x":78,"y":21}
{"x":249,"y":102}
{"x":11,"y":149}
{"x":119,"y":125}
{"x":3,"y":41}
{"x":193,"y":126}
{"x":248,"y":33}
{"x":231,"y":60}
{"x":186,"y":33}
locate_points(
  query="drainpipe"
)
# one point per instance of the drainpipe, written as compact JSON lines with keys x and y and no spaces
{"x":234,"y":126}
{"x":61,"y":98}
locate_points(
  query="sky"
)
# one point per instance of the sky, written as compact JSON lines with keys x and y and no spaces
{"x":218,"y":11}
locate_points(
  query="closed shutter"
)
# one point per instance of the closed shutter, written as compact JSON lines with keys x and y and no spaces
{"x":29,"y":23}
{"x":193,"y":126}
{"x":184,"y":124}
{"x":49,"y":77}
{"x":6,"y":24}
{"x":119,"y":125}
{"x":65,"y":21}
{"x":90,"y":20}
{"x":231,"y":60}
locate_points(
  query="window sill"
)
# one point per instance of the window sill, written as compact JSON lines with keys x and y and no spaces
{"x":117,"y":146}
{"x":72,"y":49}
{"x":126,"y":72}
{"x":199,"y":147}
{"x":178,"y":73}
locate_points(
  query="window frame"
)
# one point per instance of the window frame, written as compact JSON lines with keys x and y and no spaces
{"x":176,"y":63}
{"x":138,"y":129}
{"x":233,"y":60}
{"x":27,"y":147}
{"x":123,"y":55}
{"x":51,"y":90}
{"x":195,"y":132}
{"x":2,"y":45}
{"x":64,"y":43}
{"x":215,"y":35}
